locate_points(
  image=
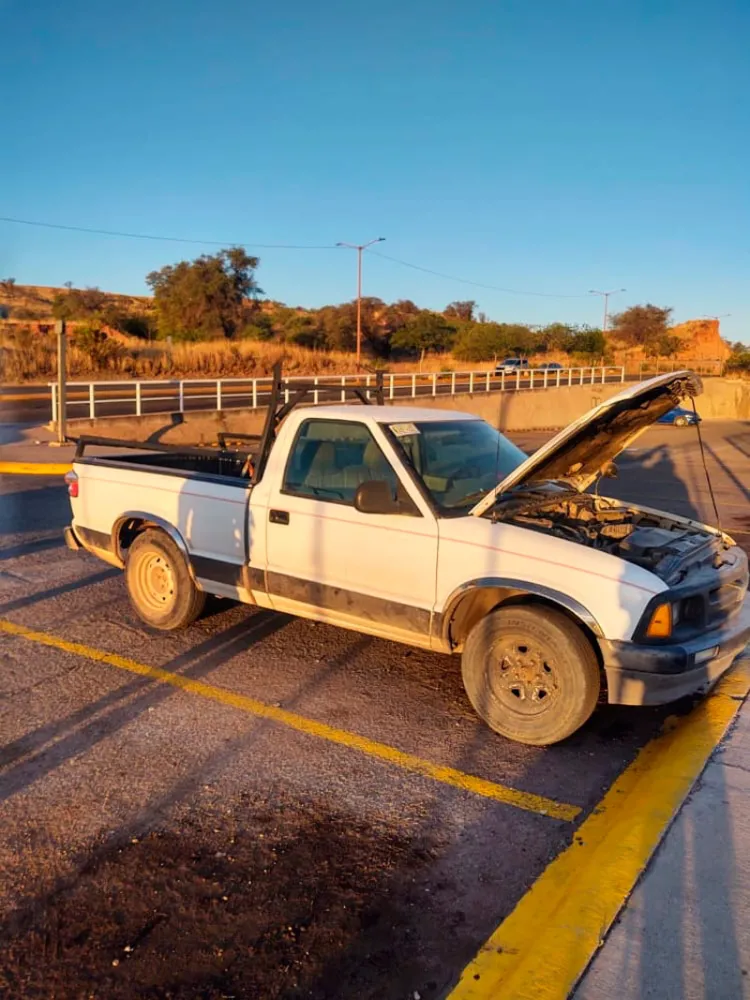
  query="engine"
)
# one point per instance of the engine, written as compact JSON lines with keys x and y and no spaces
{"x":665,"y":546}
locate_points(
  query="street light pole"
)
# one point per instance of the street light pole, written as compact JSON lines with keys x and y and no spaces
{"x":62,"y":372}
{"x":606,"y":295}
{"x":359,"y":247}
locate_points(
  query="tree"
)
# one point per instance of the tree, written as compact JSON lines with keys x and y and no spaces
{"x":481,"y":342}
{"x":301,"y":328}
{"x":557,"y":336}
{"x":398,"y":314}
{"x":669,"y":345}
{"x":641,"y":326}
{"x":204,"y":297}
{"x":136,"y":324}
{"x":424,"y":332}
{"x":339,"y":326}
{"x":81,"y":304}
{"x":590,"y":344}
{"x":8,"y":286}
{"x":460,"y":310}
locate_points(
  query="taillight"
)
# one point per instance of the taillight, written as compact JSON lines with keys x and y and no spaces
{"x":71,"y":478}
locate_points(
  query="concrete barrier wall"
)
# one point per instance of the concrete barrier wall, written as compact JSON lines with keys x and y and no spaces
{"x":542,"y":409}
{"x":724,"y":399}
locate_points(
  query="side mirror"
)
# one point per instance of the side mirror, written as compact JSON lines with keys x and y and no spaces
{"x":376,"y":497}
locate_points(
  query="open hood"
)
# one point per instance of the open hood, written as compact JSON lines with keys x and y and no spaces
{"x":580,"y":452}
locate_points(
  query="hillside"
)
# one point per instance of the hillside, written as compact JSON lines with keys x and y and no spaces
{"x":119,"y":338}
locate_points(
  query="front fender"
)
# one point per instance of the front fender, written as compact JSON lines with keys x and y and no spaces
{"x":514,"y":588}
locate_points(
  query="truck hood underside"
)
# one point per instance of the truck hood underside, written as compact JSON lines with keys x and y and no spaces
{"x":579,"y":453}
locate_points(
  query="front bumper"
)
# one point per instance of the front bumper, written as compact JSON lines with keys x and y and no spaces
{"x":642,"y":674}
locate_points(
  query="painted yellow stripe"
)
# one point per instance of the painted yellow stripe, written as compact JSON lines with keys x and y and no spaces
{"x":311,"y":727}
{"x":35,"y":468}
{"x":543,"y":947}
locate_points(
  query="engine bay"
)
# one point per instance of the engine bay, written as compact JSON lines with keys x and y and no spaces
{"x":663,"y":545}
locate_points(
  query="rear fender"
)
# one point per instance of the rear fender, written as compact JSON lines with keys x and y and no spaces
{"x":131,"y":524}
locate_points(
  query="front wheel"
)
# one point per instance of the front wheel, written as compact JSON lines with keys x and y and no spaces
{"x":531,"y":674}
{"x":159,"y":584}
{"x":681,"y":422}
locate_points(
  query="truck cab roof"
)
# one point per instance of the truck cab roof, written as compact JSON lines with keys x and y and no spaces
{"x":382,"y":414}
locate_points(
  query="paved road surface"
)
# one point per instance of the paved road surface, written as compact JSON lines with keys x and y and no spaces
{"x":162,"y":837}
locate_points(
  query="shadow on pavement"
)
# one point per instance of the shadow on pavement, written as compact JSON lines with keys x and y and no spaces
{"x":46,"y":748}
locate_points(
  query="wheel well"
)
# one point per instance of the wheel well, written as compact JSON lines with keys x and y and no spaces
{"x":127,"y":532}
{"x":478,"y":603}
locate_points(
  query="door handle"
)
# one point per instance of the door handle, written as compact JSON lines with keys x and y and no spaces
{"x":279,"y":517}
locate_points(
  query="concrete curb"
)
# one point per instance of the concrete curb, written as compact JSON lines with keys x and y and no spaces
{"x":34,"y":468}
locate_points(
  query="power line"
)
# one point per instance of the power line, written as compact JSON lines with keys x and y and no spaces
{"x":280,"y":246}
{"x":475,"y":284}
{"x":168,"y":239}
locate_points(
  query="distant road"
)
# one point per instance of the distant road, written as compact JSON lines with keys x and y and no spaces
{"x":32,"y":403}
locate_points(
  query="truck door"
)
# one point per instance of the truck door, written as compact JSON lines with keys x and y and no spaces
{"x":321,"y":551}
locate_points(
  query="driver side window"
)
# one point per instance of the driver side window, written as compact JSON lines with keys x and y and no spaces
{"x":331,"y":458}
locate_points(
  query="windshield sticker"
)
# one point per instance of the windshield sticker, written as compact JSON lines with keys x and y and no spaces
{"x":404,"y":430}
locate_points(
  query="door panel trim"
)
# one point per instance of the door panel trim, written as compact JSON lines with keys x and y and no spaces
{"x":348,"y":602}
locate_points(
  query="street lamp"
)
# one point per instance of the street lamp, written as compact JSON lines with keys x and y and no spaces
{"x":606,"y":295}
{"x":359,"y":248}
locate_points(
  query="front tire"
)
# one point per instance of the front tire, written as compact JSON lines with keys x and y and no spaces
{"x":159,"y":584}
{"x":531,"y":674}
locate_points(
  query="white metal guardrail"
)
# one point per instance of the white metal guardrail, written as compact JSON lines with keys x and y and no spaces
{"x":137,"y":397}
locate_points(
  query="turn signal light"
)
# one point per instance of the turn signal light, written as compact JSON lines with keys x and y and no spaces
{"x":71,"y":480}
{"x":660,"y":626}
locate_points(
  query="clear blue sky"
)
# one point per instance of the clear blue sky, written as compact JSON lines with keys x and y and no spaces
{"x":544,"y":146}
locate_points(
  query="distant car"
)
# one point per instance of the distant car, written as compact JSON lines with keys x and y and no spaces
{"x":679,"y":417}
{"x":511,"y":365}
{"x":550,"y":366}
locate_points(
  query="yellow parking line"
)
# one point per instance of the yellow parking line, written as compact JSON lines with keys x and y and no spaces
{"x":544,"y":946}
{"x":35,"y":468}
{"x":311,"y":727}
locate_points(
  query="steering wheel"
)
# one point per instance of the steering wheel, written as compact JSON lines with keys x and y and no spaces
{"x":465,"y":471}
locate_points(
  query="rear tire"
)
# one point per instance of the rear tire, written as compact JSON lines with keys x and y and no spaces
{"x":160,"y":587}
{"x":531,"y":674}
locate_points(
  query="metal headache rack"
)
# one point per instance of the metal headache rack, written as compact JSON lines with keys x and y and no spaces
{"x":283,"y":399}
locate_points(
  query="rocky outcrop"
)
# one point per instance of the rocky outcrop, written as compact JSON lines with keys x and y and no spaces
{"x":701,"y":340}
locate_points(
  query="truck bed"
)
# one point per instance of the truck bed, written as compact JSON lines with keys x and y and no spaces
{"x":231,"y":465}
{"x":223,"y":462}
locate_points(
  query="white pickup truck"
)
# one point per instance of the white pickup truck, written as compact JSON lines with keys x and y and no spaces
{"x":429,"y":527}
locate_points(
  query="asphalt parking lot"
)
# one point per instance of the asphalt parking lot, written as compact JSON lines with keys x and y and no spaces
{"x":266,"y":807}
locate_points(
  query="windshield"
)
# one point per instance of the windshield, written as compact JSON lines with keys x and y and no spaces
{"x":457,"y":460}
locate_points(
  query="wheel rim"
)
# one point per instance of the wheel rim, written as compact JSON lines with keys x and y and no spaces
{"x":155,"y":582}
{"x":523,"y":676}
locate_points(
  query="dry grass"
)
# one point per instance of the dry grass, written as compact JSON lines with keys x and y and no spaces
{"x":28,"y":356}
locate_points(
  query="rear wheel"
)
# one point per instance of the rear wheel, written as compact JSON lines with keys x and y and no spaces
{"x":531,"y":674}
{"x":159,"y":584}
